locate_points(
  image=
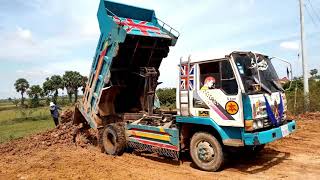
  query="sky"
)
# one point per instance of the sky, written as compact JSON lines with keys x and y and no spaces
{"x":39,"y":38}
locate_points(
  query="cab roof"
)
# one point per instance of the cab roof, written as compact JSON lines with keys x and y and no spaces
{"x":215,"y":55}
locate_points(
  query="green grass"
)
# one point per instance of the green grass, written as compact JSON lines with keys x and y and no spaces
{"x":17,"y":130}
{"x":20,"y":122}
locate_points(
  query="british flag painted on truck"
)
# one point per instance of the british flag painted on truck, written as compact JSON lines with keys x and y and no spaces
{"x":137,"y":27}
{"x":187,"y":77}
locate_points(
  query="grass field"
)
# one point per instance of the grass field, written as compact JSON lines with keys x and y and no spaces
{"x":7,"y":106}
{"x":18,"y":122}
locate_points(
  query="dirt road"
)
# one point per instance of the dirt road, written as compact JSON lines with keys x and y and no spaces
{"x":295,"y":157}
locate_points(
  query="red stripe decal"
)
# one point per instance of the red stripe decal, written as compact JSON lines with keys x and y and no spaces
{"x":160,"y":145}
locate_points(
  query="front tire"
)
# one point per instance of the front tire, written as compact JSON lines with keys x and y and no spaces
{"x":206,"y":151}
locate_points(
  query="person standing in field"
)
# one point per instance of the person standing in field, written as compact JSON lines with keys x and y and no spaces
{"x":54,"y":110}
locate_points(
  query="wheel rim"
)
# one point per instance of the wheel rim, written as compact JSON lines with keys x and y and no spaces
{"x":205,"y":151}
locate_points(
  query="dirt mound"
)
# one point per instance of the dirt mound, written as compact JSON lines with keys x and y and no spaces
{"x":66,"y":116}
{"x":64,"y":134}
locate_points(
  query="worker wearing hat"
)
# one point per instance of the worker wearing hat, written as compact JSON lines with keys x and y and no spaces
{"x":54,"y":109}
{"x":209,"y":83}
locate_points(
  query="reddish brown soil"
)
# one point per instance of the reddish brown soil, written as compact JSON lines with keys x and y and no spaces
{"x":52,"y":155}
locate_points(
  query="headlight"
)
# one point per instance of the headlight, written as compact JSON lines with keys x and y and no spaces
{"x":251,"y":125}
{"x":260,"y":123}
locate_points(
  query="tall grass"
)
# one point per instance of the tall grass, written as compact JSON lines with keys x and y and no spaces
{"x":295,"y":97}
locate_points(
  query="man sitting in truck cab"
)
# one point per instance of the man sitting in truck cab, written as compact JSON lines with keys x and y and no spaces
{"x":209,"y":83}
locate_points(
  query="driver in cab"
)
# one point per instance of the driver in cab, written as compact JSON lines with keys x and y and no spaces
{"x":209,"y":83}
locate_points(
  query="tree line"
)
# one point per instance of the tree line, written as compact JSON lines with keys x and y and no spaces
{"x":295,"y":95}
{"x":70,"y":80}
{"x":167,"y":97}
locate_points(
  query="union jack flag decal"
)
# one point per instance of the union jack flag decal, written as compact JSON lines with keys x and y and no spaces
{"x":184,"y":73}
{"x":139,"y":27}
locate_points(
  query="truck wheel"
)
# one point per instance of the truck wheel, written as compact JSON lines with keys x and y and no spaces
{"x":113,"y":139}
{"x":206,"y":151}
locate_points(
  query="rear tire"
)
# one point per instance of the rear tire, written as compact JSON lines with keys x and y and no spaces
{"x":113,"y":139}
{"x":206,"y":151}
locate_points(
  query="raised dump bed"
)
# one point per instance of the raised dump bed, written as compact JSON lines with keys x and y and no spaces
{"x":124,"y":71}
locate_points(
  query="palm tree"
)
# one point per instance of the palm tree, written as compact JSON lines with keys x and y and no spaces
{"x":52,"y":86}
{"x":34,"y":93}
{"x":72,"y":81}
{"x":57,"y":83}
{"x":21,"y":86}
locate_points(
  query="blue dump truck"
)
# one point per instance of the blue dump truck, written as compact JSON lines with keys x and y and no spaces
{"x":230,"y":101}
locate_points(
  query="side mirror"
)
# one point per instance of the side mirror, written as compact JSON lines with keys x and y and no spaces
{"x":289,"y":70}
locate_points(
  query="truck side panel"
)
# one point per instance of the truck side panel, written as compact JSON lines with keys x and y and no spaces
{"x":162,"y":140}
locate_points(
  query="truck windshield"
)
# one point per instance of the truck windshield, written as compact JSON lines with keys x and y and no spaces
{"x":250,"y":67}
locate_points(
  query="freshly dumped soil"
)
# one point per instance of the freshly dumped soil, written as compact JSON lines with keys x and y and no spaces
{"x":66,"y":116}
{"x":53,"y":155}
{"x":63,"y":134}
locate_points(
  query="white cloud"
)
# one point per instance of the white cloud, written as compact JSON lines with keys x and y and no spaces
{"x":90,"y":29}
{"x":24,"y":33}
{"x":290,"y":45}
{"x":74,"y":27}
{"x":80,"y":65}
{"x":40,"y":72}
{"x":31,"y":48}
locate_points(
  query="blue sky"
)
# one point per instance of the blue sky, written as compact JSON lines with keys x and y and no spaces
{"x":40,"y":38}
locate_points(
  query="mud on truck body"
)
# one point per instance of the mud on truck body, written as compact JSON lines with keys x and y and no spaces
{"x":242,"y":107}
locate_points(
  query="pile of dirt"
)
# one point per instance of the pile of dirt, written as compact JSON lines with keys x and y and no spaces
{"x":63,"y":134}
{"x":66,"y":116}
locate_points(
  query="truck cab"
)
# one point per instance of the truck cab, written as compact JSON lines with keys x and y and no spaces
{"x":238,"y":95}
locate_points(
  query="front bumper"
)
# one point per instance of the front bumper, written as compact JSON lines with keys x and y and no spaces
{"x":271,"y":135}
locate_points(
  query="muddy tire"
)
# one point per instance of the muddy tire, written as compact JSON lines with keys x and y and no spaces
{"x":206,"y":151}
{"x":114,"y":139}
{"x":100,"y":139}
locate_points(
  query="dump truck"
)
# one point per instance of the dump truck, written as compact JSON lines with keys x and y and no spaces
{"x":233,"y":100}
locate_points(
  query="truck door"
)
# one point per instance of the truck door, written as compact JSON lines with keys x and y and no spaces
{"x":217,"y":93}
